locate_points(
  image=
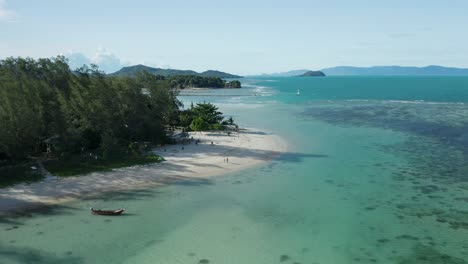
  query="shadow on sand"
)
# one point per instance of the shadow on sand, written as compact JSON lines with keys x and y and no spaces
{"x":28,"y":255}
{"x":29,"y":210}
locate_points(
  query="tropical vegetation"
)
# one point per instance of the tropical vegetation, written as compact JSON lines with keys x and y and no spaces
{"x":205,"y":116}
{"x":85,"y":118}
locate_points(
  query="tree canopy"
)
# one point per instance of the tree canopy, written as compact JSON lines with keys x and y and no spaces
{"x":80,"y":115}
{"x":44,"y":103}
{"x":204,"y":116}
{"x":193,"y":81}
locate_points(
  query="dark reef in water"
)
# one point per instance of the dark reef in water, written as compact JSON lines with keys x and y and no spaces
{"x":284,"y":258}
{"x":433,"y":177}
{"x":443,"y":122}
{"x":456,"y":219}
{"x":407,"y":237}
{"x":437,"y":133}
{"x":428,"y":255}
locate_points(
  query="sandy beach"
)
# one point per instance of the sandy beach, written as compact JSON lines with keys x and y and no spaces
{"x":187,"y":164}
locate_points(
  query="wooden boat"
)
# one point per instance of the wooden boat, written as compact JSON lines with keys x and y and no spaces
{"x":107,"y":212}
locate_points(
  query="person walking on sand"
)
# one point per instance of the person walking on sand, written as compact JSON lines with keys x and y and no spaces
{"x":227,"y":160}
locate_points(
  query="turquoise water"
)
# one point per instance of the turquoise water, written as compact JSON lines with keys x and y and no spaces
{"x":377,"y":172}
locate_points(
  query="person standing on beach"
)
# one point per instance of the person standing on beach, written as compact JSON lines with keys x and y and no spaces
{"x":227,"y":160}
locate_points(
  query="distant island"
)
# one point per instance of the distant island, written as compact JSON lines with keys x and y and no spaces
{"x":378,"y":71}
{"x":285,"y":74}
{"x":396,"y":71}
{"x":182,"y":79}
{"x":312,"y":74}
{"x":195,"y":81}
{"x":131,"y":71}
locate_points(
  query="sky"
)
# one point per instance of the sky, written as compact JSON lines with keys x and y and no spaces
{"x":241,"y":37}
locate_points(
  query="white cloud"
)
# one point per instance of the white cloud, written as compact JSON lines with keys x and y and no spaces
{"x":76,"y":59}
{"x":5,"y":13}
{"x":107,"y":61}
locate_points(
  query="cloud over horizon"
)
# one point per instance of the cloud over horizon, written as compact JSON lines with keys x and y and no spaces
{"x":107,"y":61}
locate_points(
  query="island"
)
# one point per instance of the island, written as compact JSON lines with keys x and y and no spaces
{"x":232,"y":84}
{"x":131,"y":71}
{"x":312,"y":74}
{"x":182,"y":79}
{"x":195,"y":81}
{"x":432,"y":70}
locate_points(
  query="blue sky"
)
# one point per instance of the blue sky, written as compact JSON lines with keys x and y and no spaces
{"x":243,"y":37}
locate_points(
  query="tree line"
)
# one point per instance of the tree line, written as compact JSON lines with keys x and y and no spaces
{"x":194,"y":81}
{"x":44,"y":104}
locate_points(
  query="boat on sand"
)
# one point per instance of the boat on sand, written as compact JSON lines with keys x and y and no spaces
{"x":107,"y":212}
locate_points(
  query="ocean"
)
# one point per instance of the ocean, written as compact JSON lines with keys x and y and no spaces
{"x":376,"y":172}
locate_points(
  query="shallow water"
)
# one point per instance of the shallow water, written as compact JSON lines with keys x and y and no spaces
{"x":373,"y":175}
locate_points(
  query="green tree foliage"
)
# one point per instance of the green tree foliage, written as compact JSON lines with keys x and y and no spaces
{"x":230,"y":121}
{"x":44,"y":103}
{"x":199,"y":124}
{"x":186,"y":118}
{"x":204,"y":116}
{"x":233,"y":84}
{"x":208,"y":112}
{"x":194,"y":81}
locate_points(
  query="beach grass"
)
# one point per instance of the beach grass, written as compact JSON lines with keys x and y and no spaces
{"x":76,"y":165}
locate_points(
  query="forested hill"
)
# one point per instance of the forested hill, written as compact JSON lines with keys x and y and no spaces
{"x":131,"y":71}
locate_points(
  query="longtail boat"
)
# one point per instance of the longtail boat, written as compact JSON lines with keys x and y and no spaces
{"x":107,"y":212}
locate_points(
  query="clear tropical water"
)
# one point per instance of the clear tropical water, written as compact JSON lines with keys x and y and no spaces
{"x":377,"y":172}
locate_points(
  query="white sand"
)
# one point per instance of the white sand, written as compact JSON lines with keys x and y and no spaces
{"x":196,"y":162}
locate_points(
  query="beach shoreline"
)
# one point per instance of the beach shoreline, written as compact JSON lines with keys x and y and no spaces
{"x":216,"y":154}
